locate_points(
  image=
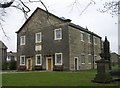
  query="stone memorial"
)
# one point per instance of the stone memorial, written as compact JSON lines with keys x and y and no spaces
{"x":103,"y":65}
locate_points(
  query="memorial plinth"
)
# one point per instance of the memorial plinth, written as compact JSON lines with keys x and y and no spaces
{"x":103,"y":75}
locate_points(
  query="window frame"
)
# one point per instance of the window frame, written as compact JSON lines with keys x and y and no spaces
{"x":95,"y":40}
{"x":55,"y":34}
{"x":22,"y":57}
{"x":36,"y":59}
{"x":82,"y":59}
{"x":37,"y":47}
{"x":82,"y":35}
{"x":36,"y":37}
{"x":95,"y":59}
{"x":89,"y":59}
{"x":89,"y":38}
{"x":22,"y":40}
{"x":56,"y":58}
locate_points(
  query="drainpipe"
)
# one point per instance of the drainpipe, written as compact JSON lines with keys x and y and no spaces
{"x":92,"y":50}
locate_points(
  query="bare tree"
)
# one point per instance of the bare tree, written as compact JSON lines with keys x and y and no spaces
{"x":111,"y":7}
{"x":20,"y":5}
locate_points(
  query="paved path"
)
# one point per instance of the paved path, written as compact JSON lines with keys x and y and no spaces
{"x":19,"y":72}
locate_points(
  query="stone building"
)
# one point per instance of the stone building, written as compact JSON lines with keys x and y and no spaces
{"x":11,"y":56}
{"x":48,"y":42}
{"x":114,"y":58}
{"x":3,"y":55}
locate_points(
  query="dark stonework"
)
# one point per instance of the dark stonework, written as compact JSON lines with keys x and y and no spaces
{"x":106,"y":51}
{"x":103,"y":75}
{"x":103,"y":65}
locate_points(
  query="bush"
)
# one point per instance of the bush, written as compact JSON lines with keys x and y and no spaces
{"x":4,"y":65}
{"x":12,"y":65}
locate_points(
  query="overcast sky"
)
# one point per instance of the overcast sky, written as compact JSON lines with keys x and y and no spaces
{"x":102,"y":24}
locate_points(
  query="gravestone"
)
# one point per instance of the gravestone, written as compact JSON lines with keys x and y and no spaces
{"x":103,"y":65}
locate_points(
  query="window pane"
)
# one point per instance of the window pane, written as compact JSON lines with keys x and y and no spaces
{"x":38,"y":48}
{"x":95,"y":40}
{"x":89,"y":39}
{"x":59,"y":58}
{"x":38,"y":60}
{"x":82,"y":59}
{"x":82,"y":36}
{"x":22,"y":40}
{"x":38,"y":37}
{"x":95,"y":58}
{"x":22,"y":60}
{"x":89,"y":58}
{"x":58,"y":34}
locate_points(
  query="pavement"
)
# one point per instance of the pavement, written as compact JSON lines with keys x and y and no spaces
{"x":19,"y":72}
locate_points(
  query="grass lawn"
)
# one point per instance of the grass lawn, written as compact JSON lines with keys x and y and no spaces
{"x":81,"y":78}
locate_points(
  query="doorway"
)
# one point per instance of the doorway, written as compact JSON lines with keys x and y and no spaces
{"x":76,"y":63}
{"x":29,"y":64}
{"x":49,"y":63}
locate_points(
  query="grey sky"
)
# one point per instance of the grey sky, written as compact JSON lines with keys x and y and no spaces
{"x":102,"y":24}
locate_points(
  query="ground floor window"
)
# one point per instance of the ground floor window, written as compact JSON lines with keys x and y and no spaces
{"x":95,"y":58}
{"x":89,"y":59}
{"x":22,"y":60}
{"x":38,"y":59}
{"x":83,"y":59}
{"x":58,"y":58}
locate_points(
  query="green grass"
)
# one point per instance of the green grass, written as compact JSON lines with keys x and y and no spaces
{"x":81,"y":78}
{"x":115,"y":67}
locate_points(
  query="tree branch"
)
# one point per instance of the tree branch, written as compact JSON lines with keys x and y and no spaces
{"x":3,"y":31}
{"x":6,"y":5}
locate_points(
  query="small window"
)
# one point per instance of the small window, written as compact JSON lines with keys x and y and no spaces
{"x":38,"y":59}
{"x":95,"y":40}
{"x":58,"y":34}
{"x":89,"y":58}
{"x":89,"y":38}
{"x":95,"y":58}
{"x":58,"y":58}
{"x":38,"y":37}
{"x":83,"y":59}
{"x":22,"y":40}
{"x":82,"y":36}
{"x":22,"y":60}
{"x":38,"y":48}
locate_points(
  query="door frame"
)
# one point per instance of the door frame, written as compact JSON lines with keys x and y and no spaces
{"x":77,"y":63}
{"x":30,"y":63}
{"x":47,"y":63}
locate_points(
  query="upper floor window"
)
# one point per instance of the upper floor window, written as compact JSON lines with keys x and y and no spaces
{"x":38,"y":48}
{"x":82,"y":36}
{"x":95,"y":40}
{"x":22,"y":60}
{"x":58,"y":58}
{"x":38,"y":59}
{"x":38,"y":37}
{"x":89,"y":38}
{"x":22,"y":40}
{"x":58,"y":34}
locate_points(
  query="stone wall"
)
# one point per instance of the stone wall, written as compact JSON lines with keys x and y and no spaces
{"x":77,"y":48}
